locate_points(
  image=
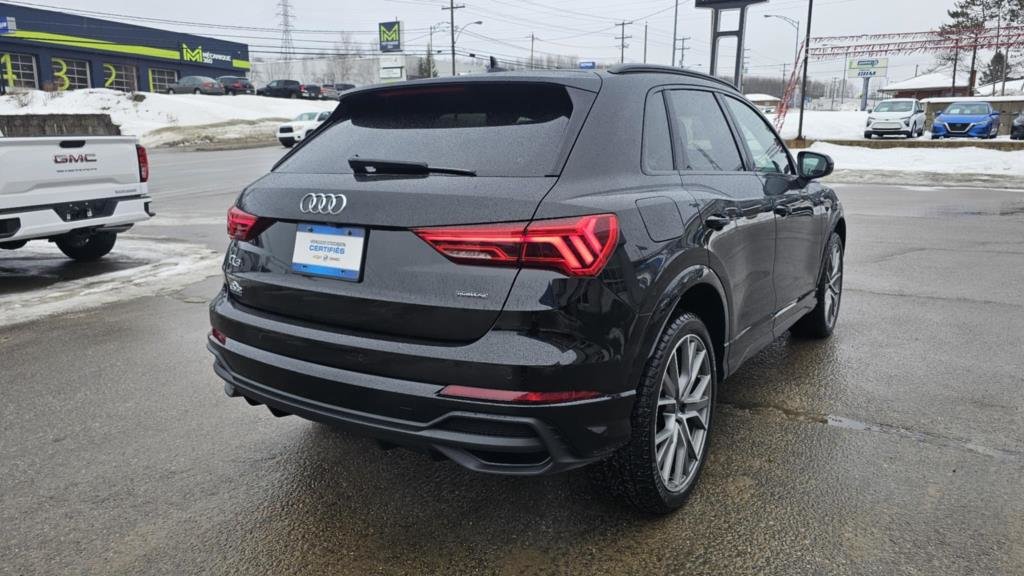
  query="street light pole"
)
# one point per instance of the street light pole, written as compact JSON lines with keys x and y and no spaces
{"x":807,"y":57}
{"x":796,"y":26}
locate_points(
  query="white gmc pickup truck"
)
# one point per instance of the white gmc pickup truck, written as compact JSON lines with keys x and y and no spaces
{"x":76,"y":191}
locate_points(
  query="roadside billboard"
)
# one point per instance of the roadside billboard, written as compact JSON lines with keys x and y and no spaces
{"x":867,"y":67}
{"x":390,"y":36}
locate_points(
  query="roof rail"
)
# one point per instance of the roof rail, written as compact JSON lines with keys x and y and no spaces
{"x":661,"y":69}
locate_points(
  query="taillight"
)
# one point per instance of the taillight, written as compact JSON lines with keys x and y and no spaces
{"x":516,"y":396}
{"x":143,"y":163}
{"x":244,"y":226}
{"x":578,"y":246}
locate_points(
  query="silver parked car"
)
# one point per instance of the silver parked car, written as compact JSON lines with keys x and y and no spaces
{"x":196,"y":85}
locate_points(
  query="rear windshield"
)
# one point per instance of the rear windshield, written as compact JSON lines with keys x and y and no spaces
{"x":494,"y":129}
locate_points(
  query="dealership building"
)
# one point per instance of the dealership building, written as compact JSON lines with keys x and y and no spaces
{"x":43,"y":49}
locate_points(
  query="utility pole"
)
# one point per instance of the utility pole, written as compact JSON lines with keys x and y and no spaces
{"x":682,"y":50}
{"x":622,"y":41}
{"x":645,"y":42}
{"x":675,"y":33}
{"x":533,"y":38}
{"x":807,"y":57}
{"x":453,"y":7}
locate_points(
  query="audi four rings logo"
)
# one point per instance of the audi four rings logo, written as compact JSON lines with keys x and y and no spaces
{"x":328,"y":204}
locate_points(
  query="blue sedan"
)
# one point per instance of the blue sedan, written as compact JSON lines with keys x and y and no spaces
{"x":966,"y":120}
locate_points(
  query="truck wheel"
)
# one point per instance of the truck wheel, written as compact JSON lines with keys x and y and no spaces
{"x":658,"y":468}
{"x":287,"y":142}
{"x":87,"y":247}
{"x":820,"y":322}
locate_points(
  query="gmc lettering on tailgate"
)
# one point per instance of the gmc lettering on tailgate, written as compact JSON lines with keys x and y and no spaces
{"x":73,"y":158}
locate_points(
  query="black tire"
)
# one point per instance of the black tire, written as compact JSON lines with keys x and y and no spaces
{"x":87,"y":247}
{"x":286,"y":142}
{"x":633,"y":473}
{"x":869,"y":135}
{"x":293,"y":96}
{"x":821,"y":322}
{"x":197,"y":91}
{"x":170,"y":91}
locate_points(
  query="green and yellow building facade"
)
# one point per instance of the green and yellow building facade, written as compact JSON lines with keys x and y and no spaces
{"x":47,"y":50}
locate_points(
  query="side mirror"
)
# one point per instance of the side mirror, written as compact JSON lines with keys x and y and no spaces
{"x":870,"y":110}
{"x":814,"y":165}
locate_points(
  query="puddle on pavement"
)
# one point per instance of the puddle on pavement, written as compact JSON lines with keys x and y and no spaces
{"x":26,"y":273}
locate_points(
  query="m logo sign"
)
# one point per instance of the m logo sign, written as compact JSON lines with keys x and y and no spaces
{"x":189,"y":55}
{"x":390,"y":36}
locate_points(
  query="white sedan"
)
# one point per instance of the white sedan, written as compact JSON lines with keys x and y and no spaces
{"x":296,"y":131}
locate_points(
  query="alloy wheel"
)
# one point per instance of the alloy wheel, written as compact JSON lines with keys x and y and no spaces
{"x":834,"y":288}
{"x":684,"y":413}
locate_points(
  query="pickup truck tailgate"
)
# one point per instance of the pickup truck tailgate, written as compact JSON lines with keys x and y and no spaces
{"x":48,"y":170}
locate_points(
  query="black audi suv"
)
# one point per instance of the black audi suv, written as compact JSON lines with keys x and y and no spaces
{"x":529,"y":272}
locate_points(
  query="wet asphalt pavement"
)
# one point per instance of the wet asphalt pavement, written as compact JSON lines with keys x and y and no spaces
{"x":896,"y":447}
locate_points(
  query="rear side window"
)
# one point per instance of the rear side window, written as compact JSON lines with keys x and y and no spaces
{"x":657,"y":139}
{"x":494,"y":129}
{"x":703,"y":134}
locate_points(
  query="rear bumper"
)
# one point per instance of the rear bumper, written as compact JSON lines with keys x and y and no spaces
{"x":484,"y":436}
{"x":45,"y":222}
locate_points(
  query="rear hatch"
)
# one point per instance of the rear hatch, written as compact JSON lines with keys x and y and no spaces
{"x":48,"y":170}
{"x":505,"y":142}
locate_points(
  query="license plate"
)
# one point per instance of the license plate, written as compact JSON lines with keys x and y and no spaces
{"x":329,"y":251}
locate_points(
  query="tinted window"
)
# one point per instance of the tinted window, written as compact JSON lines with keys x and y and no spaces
{"x":657,"y":140}
{"x":768,"y":152}
{"x":702,"y":133}
{"x":494,"y":129}
{"x":323,"y":116}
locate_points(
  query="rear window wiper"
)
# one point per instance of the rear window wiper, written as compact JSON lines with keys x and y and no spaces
{"x":367,"y":166}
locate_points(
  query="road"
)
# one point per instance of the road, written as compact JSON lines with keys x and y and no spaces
{"x":895,"y":447}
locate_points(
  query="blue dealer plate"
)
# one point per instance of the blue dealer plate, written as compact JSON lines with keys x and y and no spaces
{"x":329,"y":251}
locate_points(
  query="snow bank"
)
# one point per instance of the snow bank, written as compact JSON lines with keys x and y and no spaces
{"x":825,"y":125}
{"x":935,"y":160}
{"x":162,"y":111}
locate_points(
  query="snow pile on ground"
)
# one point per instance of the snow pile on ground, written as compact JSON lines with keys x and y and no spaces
{"x":825,"y":125}
{"x":933,"y":160}
{"x":166,"y":266}
{"x":231,"y":117}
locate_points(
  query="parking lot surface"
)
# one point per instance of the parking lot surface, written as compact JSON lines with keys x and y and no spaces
{"x":897,"y":446}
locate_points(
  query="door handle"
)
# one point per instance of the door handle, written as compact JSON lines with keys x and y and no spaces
{"x":782,"y":211}
{"x":717,"y":222}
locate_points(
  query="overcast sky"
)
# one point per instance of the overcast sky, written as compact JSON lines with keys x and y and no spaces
{"x":583,"y":28}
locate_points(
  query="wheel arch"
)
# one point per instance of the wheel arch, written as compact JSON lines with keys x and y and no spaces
{"x":840,"y":228}
{"x":699,"y":290}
